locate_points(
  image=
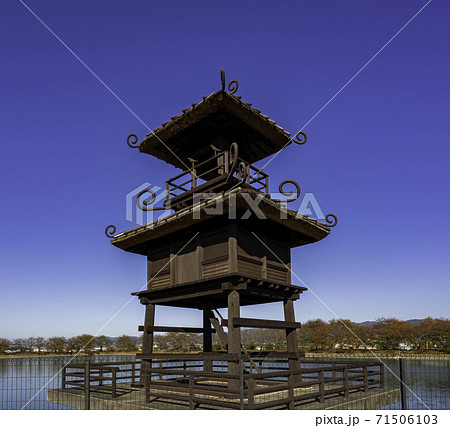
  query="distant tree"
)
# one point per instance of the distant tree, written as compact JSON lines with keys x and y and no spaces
{"x":56,"y":344}
{"x":160,"y":342}
{"x":366,"y":337}
{"x":342,"y":334}
{"x":4,"y":344}
{"x":435,"y":334}
{"x":30,"y":344}
{"x":265,"y":339}
{"x":390,"y":332}
{"x":86,"y":343}
{"x":182,"y":342}
{"x":178,"y":342}
{"x":39,"y":343}
{"x":83,"y":342}
{"x":315,"y":335}
{"x":20,"y":344}
{"x":73,"y":344}
{"x":104,"y":343}
{"x":126,"y":343}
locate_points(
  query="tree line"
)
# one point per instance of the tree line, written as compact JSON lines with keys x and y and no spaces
{"x":431,"y":334}
{"x":61,"y":345}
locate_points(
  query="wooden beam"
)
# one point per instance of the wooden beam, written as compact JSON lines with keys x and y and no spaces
{"x":259,"y":323}
{"x":218,"y":328}
{"x":234,"y":339}
{"x":178,"y":296}
{"x":162,"y":329}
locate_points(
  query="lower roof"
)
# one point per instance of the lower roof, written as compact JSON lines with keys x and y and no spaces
{"x":297,"y":228}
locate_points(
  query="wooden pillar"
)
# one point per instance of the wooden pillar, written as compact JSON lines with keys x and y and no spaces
{"x":149,"y":321}
{"x":234,"y":338}
{"x":147,"y":341}
{"x":291,"y":337}
{"x":207,"y":340}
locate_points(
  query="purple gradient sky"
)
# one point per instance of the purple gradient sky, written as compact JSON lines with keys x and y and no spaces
{"x":377,"y":156}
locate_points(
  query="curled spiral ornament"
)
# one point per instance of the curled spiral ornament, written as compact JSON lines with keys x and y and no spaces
{"x":331,"y":219}
{"x":300,"y":138}
{"x":110,"y":231}
{"x":233,"y":86}
{"x":234,"y":158}
{"x":243,"y":171}
{"x":281,"y":190}
{"x":138,"y":203}
{"x":132,"y":144}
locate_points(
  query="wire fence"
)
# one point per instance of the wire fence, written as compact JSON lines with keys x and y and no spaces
{"x":317,"y":383}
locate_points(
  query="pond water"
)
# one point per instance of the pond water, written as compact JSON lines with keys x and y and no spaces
{"x":24,"y":381}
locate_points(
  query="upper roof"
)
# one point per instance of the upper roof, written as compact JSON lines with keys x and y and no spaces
{"x":219,"y":119}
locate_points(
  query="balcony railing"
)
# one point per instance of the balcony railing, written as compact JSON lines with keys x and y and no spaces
{"x":210,"y":173}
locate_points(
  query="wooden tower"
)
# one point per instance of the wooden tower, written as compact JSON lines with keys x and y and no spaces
{"x":227,"y":244}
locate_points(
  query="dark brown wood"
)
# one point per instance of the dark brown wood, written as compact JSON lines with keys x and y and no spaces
{"x":223,"y":119}
{"x":191,"y":392}
{"x":234,"y":337}
{"x":215,"y":291}
{"x":208,"y":257}
{"x":147,"y":340}
{"x":291,"y":336}
{"x":207,"y":339}
{"x":87,"y":386}
{"x":401,"y":363}
{"x":149,"y":321}
{"x":262,"y":323}
{"x":162,"y":329}
{"x":207,"y":336}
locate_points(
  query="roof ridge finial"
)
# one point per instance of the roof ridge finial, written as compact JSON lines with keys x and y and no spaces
{"x":232,"y":86}
{"x":222,"y":79}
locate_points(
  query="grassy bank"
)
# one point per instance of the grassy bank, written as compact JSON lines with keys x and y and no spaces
{"x":341,"y":355}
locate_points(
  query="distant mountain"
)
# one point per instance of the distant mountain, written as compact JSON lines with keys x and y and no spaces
{"x":115,"y":338}
{"x":413,"y":322}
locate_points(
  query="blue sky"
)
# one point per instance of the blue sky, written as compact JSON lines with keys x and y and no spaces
{"x":377,"y":156}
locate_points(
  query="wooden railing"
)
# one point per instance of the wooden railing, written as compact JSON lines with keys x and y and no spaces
{"x":215,"y":168}
{"x":109,"y":378}
{"x":264,"y":384}
{"x":273,"y":387}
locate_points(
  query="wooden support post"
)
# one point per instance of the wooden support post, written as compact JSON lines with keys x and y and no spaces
{"x":321,"y":386}
{"x":64,"y":377}
{"x":291,"y":403}
{"x":133,"y":373}
{"x":401,"y":363}
{"x":234,"y":338}
{"x":87,"y":385}
{"x":149,"y":321}
{"x":382,"y":375}
{"x":207,"y":340}
{"x":291,"y":338}
{"x":366,"y":378}
{"x":346,"y":384}
{"x":147,"y":343}
{"x":191,"y":392}
{"x":114,"y":383}
{"x":251,"y":394}
{"x":241,"y":384}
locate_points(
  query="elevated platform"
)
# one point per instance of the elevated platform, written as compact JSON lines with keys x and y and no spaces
{"x":135,"y":400}
{"x":214,"y":291}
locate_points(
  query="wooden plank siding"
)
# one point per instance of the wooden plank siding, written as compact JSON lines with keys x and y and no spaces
{"x":227,"y":250}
